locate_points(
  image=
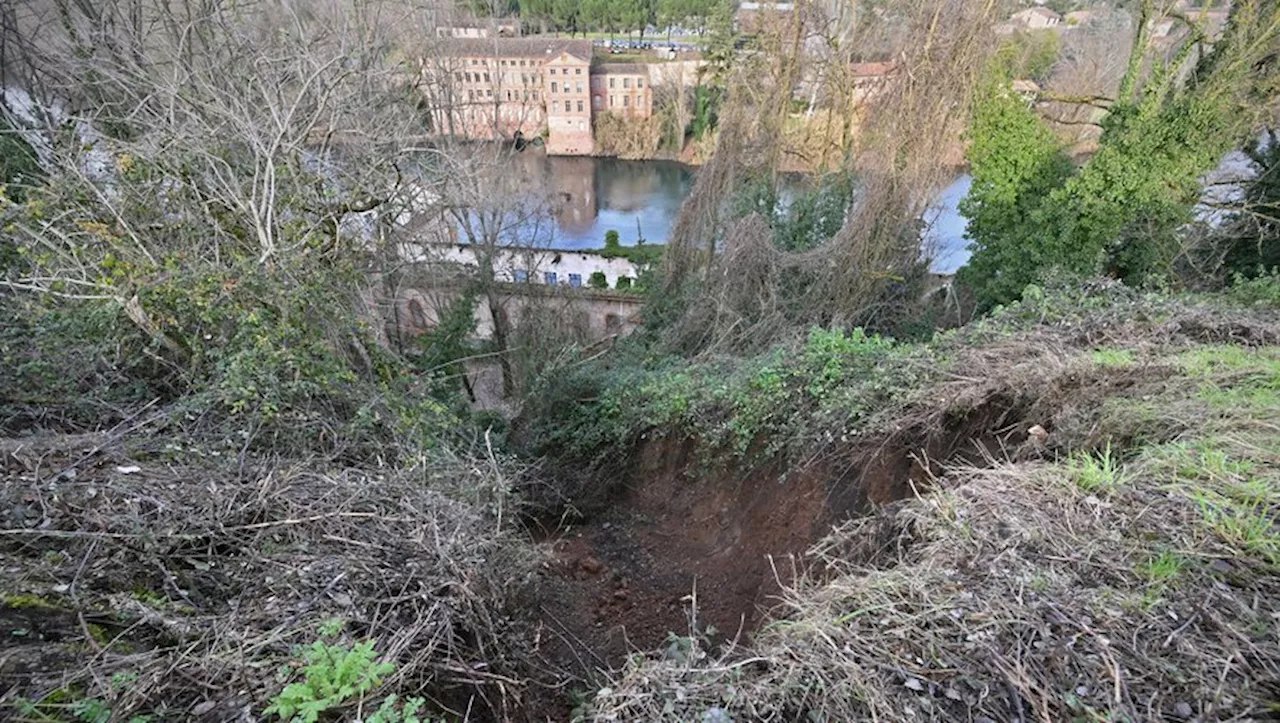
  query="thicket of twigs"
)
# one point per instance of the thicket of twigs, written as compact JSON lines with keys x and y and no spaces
{"x":741,"y":291}
{"x":126,"y":557}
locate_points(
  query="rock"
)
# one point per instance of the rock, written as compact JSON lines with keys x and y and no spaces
{"x":1183,"y":710}
{"x":591,"y":565}
{"x":1038,"y":433}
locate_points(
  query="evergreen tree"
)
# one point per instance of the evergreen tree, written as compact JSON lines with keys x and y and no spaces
{"x":1015,"y":162}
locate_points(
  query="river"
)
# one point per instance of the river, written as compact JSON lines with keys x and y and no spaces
{"x":640,"y":200}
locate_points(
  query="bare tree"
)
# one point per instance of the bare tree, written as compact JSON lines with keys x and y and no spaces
{"x":906,"y":144}
{"x":272,"y":134}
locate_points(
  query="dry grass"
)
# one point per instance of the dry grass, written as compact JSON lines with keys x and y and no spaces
{"x":195,"y":581}
{"x":1115,"y":583}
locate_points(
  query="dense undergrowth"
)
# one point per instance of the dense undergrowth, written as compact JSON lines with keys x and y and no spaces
{"x":825,"y":388}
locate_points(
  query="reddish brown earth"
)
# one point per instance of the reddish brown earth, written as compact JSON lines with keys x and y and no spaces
{"x":624,"y":579}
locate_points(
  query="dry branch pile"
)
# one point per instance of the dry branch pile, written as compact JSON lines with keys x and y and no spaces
{"x":200,"y":579}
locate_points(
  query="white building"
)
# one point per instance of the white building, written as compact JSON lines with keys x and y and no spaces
{"x":1036,"y":18}
{"x":553,"y":267}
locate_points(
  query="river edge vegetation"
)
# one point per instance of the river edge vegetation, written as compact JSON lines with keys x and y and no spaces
{"x":226,"y":497}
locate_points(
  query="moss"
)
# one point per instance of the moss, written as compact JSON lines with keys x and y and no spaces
{"x":25,"y":601}
{"x":98,"y":633}
{"x":149,"y":597}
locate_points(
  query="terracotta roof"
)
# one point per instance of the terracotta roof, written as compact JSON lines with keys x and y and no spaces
{"x":620,"y":69}
{"x":872,"y":70}
{"x":1043,"y":12}
{"x":516,"y":47}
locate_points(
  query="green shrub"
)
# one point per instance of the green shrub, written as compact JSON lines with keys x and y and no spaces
{"x":624,"y":282}
{"x":783,"y":400}
{"x":612,"y":244}
{"x":1262,"y":290}
{"x":598,"y":280}
{"x":334,"y":675}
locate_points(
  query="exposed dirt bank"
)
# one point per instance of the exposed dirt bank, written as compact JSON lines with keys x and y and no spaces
{"x":675,"y":528}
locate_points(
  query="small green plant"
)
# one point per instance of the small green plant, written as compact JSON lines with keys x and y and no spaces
{"x":1162,"y":568}
{"x":624,"y":282}
{"x":91,"y":710}
{"x":1248,"y":527}
{"x":392,"y":712}
{"x":598,"y":280}
{"x":1113,"y":358}
{"x":1096,"y":472}
{"x":333,"y":675}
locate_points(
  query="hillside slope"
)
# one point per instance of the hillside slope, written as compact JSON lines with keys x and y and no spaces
{"x":1075,"y":517}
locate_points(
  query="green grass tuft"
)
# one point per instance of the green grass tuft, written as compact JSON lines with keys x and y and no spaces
{"x":1099,"y":472}
{"x":1113,"y":358}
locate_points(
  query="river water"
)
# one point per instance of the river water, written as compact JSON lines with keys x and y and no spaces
{"x":640,"y":200}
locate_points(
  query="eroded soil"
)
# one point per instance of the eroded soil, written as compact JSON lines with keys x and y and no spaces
{"x":626,"y":579}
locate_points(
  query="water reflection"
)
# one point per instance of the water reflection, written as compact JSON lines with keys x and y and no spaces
{"x":640,"y":200}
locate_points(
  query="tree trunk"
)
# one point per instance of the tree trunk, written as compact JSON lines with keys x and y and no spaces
{"x":500,"y":339}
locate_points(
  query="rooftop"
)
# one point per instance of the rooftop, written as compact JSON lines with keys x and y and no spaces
{"x":872,"y":70}
{"x":620,"y":68}
{"x":532,"y":47}
{"x":1038,"y":10}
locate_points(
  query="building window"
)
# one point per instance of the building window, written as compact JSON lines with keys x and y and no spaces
{"x":471,"y":95}
{"x":489,"y":92}
{"x":639,"y":82}
{"x":521,"y":63}
{"x":486,"y":77}
{"x":504,"y":62}
{"x":579,"y":106}
{"x":612,"y":101}
{"x":579,"y":86}
{"x":575,"y":280}
{"x":508,"y":95}
{"x":612,"y":82}
{"x":458,"y":76}
{"x":596,"y":102}
{"x":626,"y":101}
{"x":553,"y":86}
{"x":577,"y":71}
{"x":555,"y":106}
{"x":553,"y":71}
{"x":521,"y":276}
{"x":626,"y":82}
{"x":549,"y":277}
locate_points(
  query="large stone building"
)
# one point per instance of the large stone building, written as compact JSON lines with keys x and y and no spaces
{"x":621,"y":88}
{"x":488,"y":88}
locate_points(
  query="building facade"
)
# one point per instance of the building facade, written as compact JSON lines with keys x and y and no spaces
{"x":621,"y":88}
{"x":495,"y":87}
